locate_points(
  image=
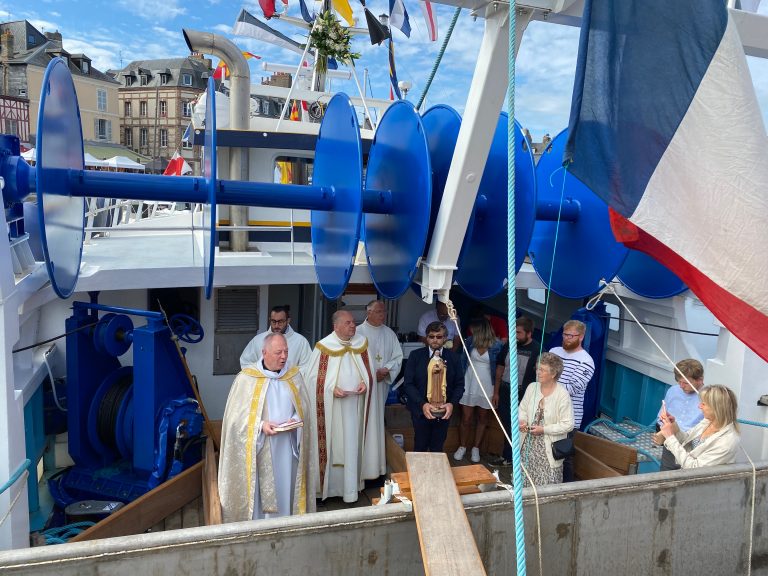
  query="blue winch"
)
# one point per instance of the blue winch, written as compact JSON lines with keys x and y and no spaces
{"x":130,"y":427}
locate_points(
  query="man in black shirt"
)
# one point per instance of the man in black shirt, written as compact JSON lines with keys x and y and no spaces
{"x":527,"y":355}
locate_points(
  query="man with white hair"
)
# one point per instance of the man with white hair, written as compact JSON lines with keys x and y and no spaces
{"x":340,"y":377}
{"x":264,"y":469}
{"x":387,"y":356}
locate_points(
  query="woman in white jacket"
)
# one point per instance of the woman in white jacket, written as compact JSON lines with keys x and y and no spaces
{"x":546,"y":415}
{"x":712,"y":441}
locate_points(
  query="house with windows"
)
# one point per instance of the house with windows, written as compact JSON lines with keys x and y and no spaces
{"x":156,"y":98}
{"x":25,"y":52}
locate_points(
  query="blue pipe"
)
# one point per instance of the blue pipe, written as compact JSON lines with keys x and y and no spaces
{"x":117,"y":310}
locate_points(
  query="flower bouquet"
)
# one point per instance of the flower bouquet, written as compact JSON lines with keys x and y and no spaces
{"x":332,"y":40}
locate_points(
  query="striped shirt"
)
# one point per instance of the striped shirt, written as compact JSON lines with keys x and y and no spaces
{"x":578,"y":368}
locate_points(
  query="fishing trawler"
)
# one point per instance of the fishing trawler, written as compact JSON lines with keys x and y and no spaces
{"x":636,"y":523}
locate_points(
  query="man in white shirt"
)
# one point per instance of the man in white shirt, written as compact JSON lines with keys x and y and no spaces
{"x":387,"y":356}
{"x":578,"y":368}
{"x":299,"y":350}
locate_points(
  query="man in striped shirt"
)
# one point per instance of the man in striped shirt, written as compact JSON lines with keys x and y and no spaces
{"x":578,"y":368}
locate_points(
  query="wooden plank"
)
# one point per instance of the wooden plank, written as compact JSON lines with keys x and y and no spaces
{"x":618,"y":456}
{"x":395,"y":454}
{"x":587,"y":467}
{"x":447,"y":544}
{"x":149,"y":509}
{"x":472,"y":475}
{"x":461,"y":489}
{"x":211,"y":501}
{"x":215,"y":427}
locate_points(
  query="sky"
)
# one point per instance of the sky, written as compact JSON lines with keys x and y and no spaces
{"x":113,"y":33}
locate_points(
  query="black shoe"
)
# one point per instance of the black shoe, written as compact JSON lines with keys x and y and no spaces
{"x":500,"y":461}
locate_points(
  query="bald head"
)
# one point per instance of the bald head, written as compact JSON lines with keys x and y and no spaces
{"x":275,"y":351}
{"x":343,"y":324}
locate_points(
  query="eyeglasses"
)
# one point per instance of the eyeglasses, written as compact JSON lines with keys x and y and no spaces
{"x":570,"y":335}
{"x":277,"y":322}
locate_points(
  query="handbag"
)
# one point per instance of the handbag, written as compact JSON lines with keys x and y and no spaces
{"x":563,"y":448}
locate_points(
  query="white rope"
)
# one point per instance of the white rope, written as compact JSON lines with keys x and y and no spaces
{"x":362,"y":95}
{"x":454,"y":319}
{"x":23,"y":478}
{"x":295,"y":76}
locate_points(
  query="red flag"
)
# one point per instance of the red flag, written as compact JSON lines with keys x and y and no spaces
{"x":268,"y":7}
{"x":177,"y":166}
{"x":294,"y":111}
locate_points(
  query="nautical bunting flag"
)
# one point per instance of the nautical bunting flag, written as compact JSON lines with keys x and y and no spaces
{"x":430,"y":18}
{"x":665,"y":127}
{"x":222,"y":71}
{"x":377,"y":31}
{"x":398,"y":17}
{"x":177,"y":166}
{"x":187,"y":133}
{"x":268,"y":7}
{"x":308,"y":18}
{"x":394,"y":89}
{"x":345,"y":10}
{"x":248,"y":25}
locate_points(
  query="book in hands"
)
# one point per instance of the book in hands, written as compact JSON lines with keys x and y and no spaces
{"x":288,"y":426}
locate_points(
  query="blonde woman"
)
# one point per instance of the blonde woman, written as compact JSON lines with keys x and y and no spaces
{"x":712,"y":441}
{"x":546,"y":415}
{"x":483,"y":348}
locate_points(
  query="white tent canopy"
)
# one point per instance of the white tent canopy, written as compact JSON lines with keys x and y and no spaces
{"x":90,"y":160}
{"x":123,"y":162}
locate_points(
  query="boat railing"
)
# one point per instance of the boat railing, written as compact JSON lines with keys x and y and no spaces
{"x":105,"y":217}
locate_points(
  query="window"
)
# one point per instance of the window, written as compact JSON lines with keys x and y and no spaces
{"x":186,"y":79}
{"x":163,"y":138}
{"x":163,"y":108}
{"x":164,"y":79}
{"x":85,"y":67}
{"x":143,"y":108}
{"x":186,"y":108}
{"x":128,"y":137}
{"x":11,"y":127}
{"x":129,"y":80}
{"x":143,"y":140}
{"x":101,"y":100}
{"x":23,"y":92}
{"x":186,"y":144}
{"x":128,"y":110}
{"x":103,"y":129}
{"x":143,"y":80}
{"x":31,"y":40}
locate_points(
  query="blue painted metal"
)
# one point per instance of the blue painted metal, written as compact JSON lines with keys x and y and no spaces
{"x":441,"y":126}
{"x":395,"y":239}
{"x":210,"y":173}
{"x":586,"y":250}
{"x":627,"y":393}
{"x":59,"y":149}
{"x":335,"y":233}
{"x":112,"y":334}
{"x":648,"y":277}
{"x":121,"y":464}
{"x":482,"y":264}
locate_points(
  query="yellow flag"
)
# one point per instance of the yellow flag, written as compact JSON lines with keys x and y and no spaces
{"x":344,"y":10}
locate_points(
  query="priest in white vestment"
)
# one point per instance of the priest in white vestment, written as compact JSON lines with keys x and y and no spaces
{"x":266,"y":456}
{"x":339,"y":379}
{"x":299,"y":350}
{"x":386,"y":356}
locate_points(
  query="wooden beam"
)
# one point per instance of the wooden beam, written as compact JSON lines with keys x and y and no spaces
{"x":472,"y":475}
{"x":618,"y":456}
{"x":149,"y":509}
{"x":211,"y":502}
{"x":447,"y":544}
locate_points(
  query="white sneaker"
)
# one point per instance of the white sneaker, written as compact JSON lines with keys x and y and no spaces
{"x":475,"y":455}
{"x":459,"y":454}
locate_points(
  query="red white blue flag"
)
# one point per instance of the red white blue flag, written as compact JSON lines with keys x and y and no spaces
{"x":666,"y":128}
{"x":430,"y":18}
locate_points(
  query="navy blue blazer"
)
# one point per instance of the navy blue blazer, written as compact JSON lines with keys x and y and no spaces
{"x":415,"y":382}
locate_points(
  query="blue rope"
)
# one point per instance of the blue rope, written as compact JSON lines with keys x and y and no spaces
{"x":436,"y":65}
{"x":16,"y":475}
{"x":752,"y":423}
{"x":62,"y":534}
{"x":517,"y":477}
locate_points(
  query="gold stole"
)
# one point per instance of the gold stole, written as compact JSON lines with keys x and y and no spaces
{"x":264,"y":465}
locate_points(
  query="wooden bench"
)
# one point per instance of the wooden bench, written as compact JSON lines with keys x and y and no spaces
{"x":600,"y":458}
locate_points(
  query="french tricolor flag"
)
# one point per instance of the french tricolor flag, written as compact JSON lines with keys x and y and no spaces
{"x":665,"y":127}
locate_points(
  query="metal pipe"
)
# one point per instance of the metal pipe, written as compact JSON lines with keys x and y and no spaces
{"x":239,"y":110}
